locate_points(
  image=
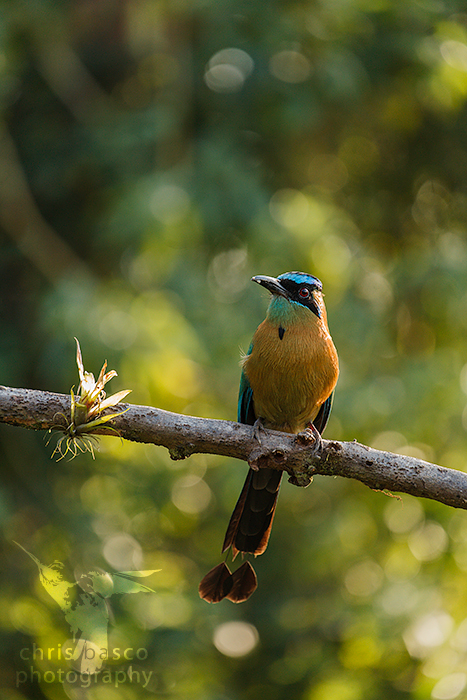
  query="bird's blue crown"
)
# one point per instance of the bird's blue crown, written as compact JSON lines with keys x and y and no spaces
{"x":301,"y":278}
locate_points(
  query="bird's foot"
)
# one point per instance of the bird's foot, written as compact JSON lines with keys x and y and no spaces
{"x":258,"y":428}
{"x":310,"y":434}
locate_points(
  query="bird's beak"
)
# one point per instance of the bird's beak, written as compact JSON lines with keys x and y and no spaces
{"x":272,"y":284}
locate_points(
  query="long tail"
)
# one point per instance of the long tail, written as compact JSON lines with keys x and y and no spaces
{"x":248,"y":531}
{"x":251,"y":522}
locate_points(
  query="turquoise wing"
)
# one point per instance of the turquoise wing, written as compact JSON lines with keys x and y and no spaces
{"x":322,"y":418}
{"x":246,"y":409}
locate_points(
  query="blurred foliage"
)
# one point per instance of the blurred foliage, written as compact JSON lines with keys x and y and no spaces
{"x":153,"y":156}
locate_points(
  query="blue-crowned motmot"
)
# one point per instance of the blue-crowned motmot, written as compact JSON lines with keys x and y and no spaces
{"x":287,"y":383}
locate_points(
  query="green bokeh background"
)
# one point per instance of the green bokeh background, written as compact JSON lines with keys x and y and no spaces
{"x":153,"y":157}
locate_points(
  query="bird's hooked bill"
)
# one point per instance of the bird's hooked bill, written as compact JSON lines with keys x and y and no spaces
{"x":272,"y":284}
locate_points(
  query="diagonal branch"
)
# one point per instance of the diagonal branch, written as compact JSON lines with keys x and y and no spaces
{"x":186,"y":435}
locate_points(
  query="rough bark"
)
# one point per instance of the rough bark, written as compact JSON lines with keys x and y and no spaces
{"x":296,"y":454}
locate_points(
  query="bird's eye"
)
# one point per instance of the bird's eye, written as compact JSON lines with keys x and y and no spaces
{"x":304,"y":293}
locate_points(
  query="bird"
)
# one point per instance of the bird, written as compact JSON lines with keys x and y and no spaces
{"x":287,"y":383}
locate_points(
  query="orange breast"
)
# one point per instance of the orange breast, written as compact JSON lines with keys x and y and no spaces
{"x":291,"y":378}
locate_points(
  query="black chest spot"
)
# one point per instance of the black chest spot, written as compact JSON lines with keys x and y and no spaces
{"x":281,"y":332}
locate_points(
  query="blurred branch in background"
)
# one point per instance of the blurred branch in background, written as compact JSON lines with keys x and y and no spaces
{"x":186,"y":435}
{"x":22,"y":220}
{"x":68,"y":78}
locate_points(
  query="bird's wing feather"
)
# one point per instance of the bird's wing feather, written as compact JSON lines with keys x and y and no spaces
{"x":251,"y":521}
{"x":321,"y":419}
{"x":246,"y":409}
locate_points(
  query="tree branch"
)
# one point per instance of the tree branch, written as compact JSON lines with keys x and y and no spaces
{"x":186,"y":435}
